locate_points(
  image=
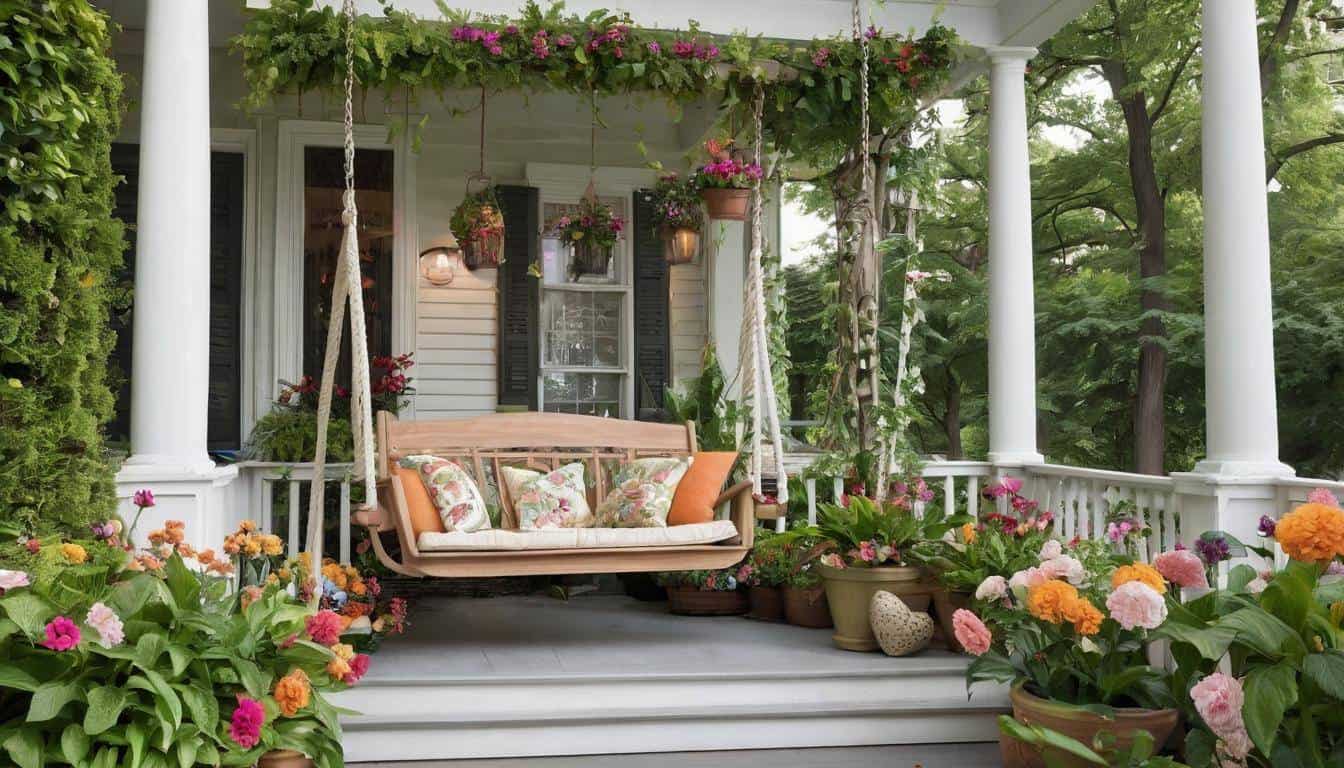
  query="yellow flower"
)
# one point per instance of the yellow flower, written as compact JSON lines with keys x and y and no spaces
{"x":968,"y":533}
{"x":252,"y":547}
{"x":578,"y":235}
{"x":271,"y":545}
{"x":247,"y":526}
{"x":1312,"y":533}
{"x":338,"y":668}
{"x":286,"y":574}
{"x":272,"y":579}
{"x":1049,"y":600}
{"x":291,"y":692}
{"x":74,"y":554}
{"x":1141,"y":572}
{"x":343,"y":651}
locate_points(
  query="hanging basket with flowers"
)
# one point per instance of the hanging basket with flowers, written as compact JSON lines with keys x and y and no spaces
{"x":726,"y":182}
{"x":677,"y":218}
{"x":478,"y":226}
{"x":589,"y":234}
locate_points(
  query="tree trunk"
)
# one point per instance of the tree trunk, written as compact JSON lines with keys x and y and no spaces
{"x":952,"y":416}
{"x":1150,"y":437}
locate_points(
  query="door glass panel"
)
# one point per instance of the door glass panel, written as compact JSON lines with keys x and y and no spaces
{"x":324,"y":184}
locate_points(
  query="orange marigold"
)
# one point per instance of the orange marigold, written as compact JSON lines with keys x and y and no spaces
{"x":1141,"y":572}
{"x":1048,"y":600}
{"x":291,"y":692}
{"x":1312,"y":533}
{"x":968,"y":533}
{"x":1084,"y":616}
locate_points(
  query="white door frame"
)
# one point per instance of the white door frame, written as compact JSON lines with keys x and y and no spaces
{"x":294,"y":136}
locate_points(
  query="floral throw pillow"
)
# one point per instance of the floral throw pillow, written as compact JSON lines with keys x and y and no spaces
{"x":454,"y":493}
{"x":556,"y":499}
{"x":642,"y":494}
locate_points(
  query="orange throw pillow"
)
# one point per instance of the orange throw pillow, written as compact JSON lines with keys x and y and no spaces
{"x":424,"y":515}
{"x":693,"y":502}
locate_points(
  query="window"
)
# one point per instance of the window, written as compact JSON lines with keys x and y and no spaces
{"x":584,"y":325}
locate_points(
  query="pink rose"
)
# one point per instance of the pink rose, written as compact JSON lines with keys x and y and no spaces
{"x":1065,"y":567}
{"x":1182,"y":568}
{"x":1050,"y":550}
{"x":992,"y":588}
{"x":1029,"y":577}
{"x":1135,"y":604}
{"x":971,"y":632}
{"x":1219,"y":698}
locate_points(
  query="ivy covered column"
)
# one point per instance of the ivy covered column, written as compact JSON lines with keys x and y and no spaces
{"x":1012,"y":322}
{"x":170,"y":358}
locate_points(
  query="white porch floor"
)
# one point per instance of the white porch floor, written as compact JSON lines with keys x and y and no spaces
{"x":534,"y":676}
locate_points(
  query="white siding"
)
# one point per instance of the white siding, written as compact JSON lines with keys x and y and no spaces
{"x":689,"y":319}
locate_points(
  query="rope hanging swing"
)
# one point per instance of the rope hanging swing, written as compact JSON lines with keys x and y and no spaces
{"x":345,"y":287}
{"x":754,"y":371}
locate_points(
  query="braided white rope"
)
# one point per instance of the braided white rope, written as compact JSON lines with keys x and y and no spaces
{"x":758,"y":385}
{"x":345,"y":286}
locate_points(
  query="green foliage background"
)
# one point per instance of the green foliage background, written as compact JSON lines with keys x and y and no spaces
{"x":59,"y":246}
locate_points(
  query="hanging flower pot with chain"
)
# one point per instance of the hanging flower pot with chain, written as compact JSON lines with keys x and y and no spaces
{"x":678,"y":218}
{"x":478,"y":225}
{"x":590,"y":234}
{"x":726,"y":182}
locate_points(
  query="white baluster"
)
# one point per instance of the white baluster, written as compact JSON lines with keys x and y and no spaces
{"x":265,"y":498}
{"x":294,"y":519}
{"x":345,"y":520}
{"x":973,"y":496}
{"x":949,"y":495}
{"x":811,"y":485}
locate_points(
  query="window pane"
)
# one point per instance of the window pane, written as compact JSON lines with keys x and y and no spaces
{"x":593,"y":394}
{"x":581,"y":328}
{"x":556,"y":257}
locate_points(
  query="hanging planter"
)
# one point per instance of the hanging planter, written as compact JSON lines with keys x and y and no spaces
{"x":677,"y":218}
{"x":590,"y":234}
{"x":726,"y":182}
{"x":478,"y":225}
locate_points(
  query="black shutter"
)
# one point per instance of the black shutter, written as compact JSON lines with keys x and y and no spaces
{"x":125,"y":163}
{"x":653,"y":322}
{"x":224,"y":421}
{"x":519,"y":299}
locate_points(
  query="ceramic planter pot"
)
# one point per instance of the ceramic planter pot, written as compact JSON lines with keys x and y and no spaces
{"x":945,"y":603}
{"x":850,"y":590}
{"x":769,"y":511}
{"x":284,"y":758}
{"x":588,"y":259}
{"x":767,"y":603}
{"x":807,"y":607}
{"x":689,"y":601}
{"x":726,"y":204}
{"x":1078,"y":724}
{"x":680,"y":245}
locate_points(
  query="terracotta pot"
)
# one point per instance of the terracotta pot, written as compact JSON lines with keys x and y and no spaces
{"x":807,"y":607}
{"x":689,"y":601}
{"x":767,"y":603}
{"x":1078,"y":724}
{"x":680,"y":244}
{"x":727,"y":204}
{"x":945,"y":603}
{"x":850,"y":590}
{"x":284,"y":758}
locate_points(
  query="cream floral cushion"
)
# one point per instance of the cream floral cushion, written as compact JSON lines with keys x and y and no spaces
{"x":642,"y":494}
{"x":455,"y":494}
{"x":555,"y":499}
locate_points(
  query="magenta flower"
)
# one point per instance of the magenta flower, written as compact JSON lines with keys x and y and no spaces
{"x":62,"y":634}
{"x":1266,"y":527}
{"x":564,"y":41}
{"x":245,"y":725}
{"x":821,"y":57}
{"x":143,"y":498}
{"x":359,"y":666}
{"x":655,"y":48}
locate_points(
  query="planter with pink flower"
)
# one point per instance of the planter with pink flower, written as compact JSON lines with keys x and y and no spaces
{"x":704,"y":593}
{"x":726,"y":181}
{"x":871,"y":549}
{"x":764,"y":573}
{"x":677,"y":218}
{"x":589,"y":234}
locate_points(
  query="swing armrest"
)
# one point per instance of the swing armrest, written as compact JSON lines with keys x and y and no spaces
{"x":375,"y":516}
{"x":742,"y":512}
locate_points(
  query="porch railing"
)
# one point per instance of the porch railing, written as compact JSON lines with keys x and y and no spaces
{"x":271,"y":484}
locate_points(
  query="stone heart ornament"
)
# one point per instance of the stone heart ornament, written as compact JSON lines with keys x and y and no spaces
{"x":899,"y":630}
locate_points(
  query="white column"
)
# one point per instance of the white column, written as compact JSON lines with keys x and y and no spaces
{"x":1012,"y":321}
{"x":170,"y":360}
{"x":1242,"y":413}
{"x":726,"y":278}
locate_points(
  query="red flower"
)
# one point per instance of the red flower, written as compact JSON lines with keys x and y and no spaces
{"x":359,"y":666}
{"x":324,"y":627}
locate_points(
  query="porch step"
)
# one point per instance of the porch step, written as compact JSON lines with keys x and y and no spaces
{"x":525,"y":677}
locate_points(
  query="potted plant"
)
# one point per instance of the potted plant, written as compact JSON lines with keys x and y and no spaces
{"x":1069,"y":636}
{"x":804,"y":597}
{"x":764,"y":572}
{"x":704,"y":593}
{"x":1000,"y":546}
{"x":589,"y":234}
{"x":478,"y":225}
{"x":677,"y":218}
{"x":868,"y":551}
{"x":726,"y":182}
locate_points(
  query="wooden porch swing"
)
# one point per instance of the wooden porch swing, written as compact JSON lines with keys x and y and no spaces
{"x":537,"y":440}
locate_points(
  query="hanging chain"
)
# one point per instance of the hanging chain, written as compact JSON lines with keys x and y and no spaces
{"x":482,"y":170}
{"x":862,"y":40}
{"x":349,"y":9}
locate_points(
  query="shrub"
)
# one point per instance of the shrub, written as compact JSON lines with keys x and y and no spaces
{"x":59,"y":250}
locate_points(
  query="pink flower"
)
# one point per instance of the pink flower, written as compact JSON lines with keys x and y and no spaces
{"x":655,"y":48}
{"x":359,"y":666}
{"x":245,"y":725}
{"x":992,"y":588}
{"x":833,"y":560}
{"x":867,"y":552}
{"x":1182,"y":568}
{"x":1322,"y":496}
{"x":324,"y":627}
{"x":971,"y":632}
{"x":62,"y":634}
{"x":1029,"y":577}
{"x":12,"y":579}
{"x":1050,"y":550}
{"x":107,"y":624}
{"x":143,"y":498}
{"x":1065,"y":567}
{"x":1012,"y":484}
{"x":1135,"y":604}
{"x":1218,"y":698}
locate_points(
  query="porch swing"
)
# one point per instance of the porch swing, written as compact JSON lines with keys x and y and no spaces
{"x":541,"y":441}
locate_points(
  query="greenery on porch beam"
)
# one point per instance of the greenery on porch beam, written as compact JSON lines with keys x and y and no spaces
{"x":811,"y":116}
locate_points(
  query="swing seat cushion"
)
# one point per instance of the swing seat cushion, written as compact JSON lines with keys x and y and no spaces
{"x":497,"y":540}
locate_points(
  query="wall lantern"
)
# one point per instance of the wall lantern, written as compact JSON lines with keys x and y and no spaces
{"x":441,"y":263}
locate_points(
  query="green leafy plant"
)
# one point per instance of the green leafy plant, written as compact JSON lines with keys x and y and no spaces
{"x":1061,"y":751}
{"x":290,"y":434}
{"x":865,"y":533}
{"x":770,"y":563}
{"x":676,"y":204}
{"x":704,"y":402}
{"x":478,"y":225}
{"x":722,"y":580}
